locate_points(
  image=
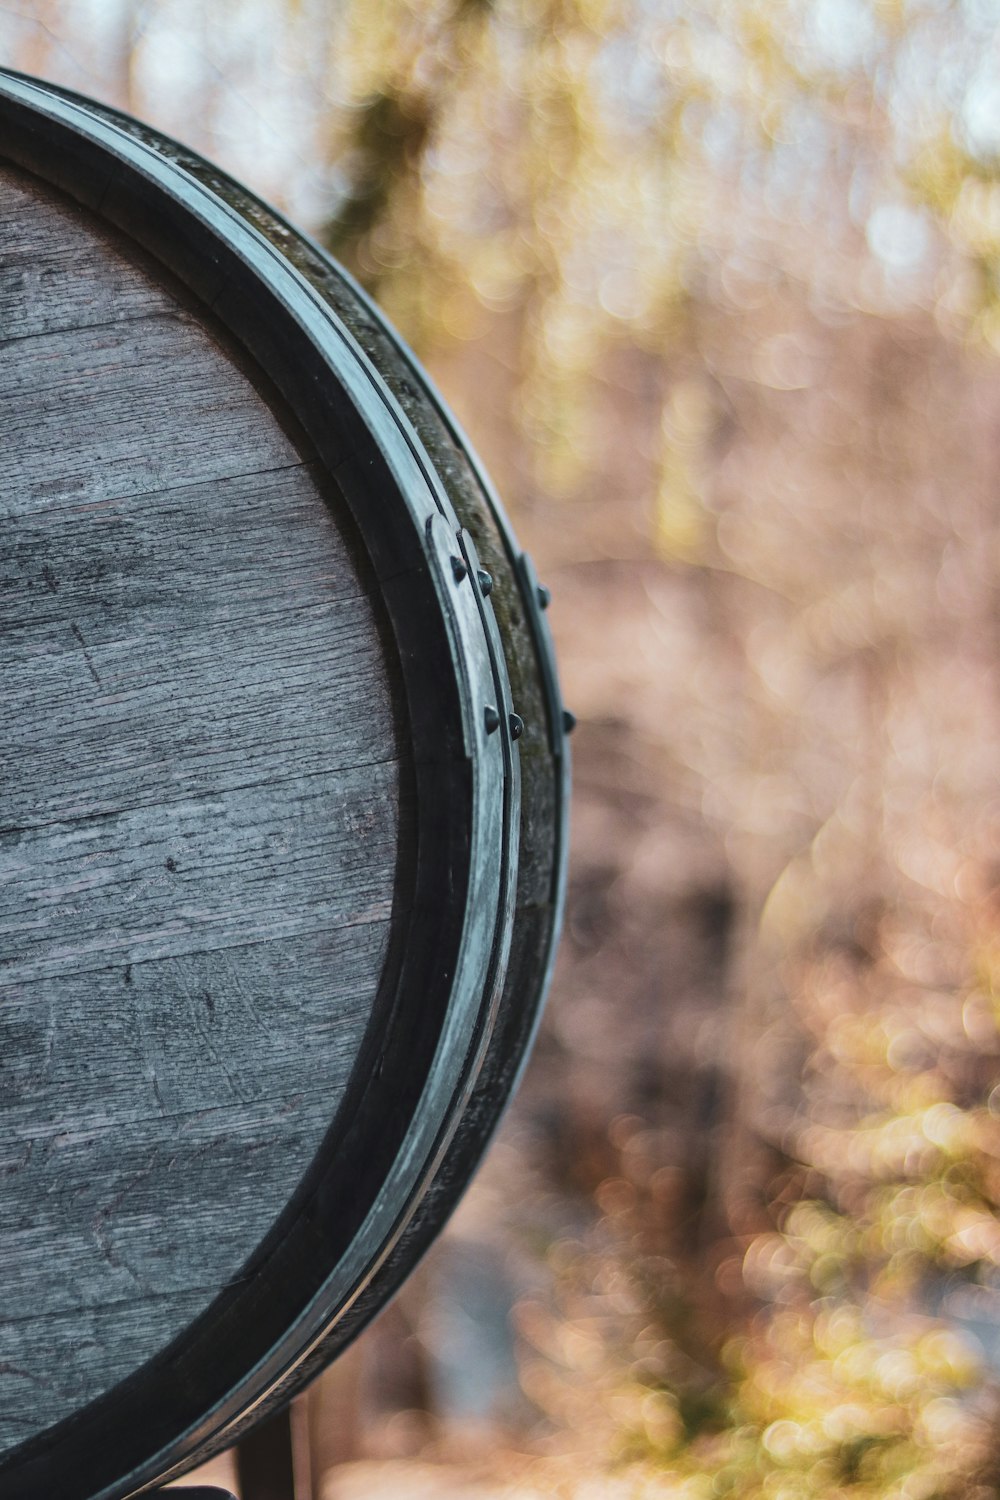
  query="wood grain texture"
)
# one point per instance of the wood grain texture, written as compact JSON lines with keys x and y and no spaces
{"x":198,"y":812}
{"x":50,"y":283}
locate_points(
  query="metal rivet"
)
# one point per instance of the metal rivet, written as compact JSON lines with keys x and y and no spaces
{"x":569,"y":721}
{"x":516,"y":726}
{"x":492,"y":719}
{"x":485,"y":580}
{"x":544,"y":596}
{"x":460,"y":568}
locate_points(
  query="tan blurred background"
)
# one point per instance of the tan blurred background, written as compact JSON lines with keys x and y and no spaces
{"x":715,"y":289}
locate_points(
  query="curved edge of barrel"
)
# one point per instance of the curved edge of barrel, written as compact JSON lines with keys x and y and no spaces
{"x":517,"y":1022}
{"x":421,"y":1161}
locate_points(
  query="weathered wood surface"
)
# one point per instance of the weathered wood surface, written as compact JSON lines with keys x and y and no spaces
{"x":198,"y":812}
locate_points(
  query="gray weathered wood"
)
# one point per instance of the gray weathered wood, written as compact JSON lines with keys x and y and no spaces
{"x":51,"y":283}
{"x":198,"y":812}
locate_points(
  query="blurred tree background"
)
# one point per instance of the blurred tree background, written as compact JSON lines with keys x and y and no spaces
{"x":715,"y":287}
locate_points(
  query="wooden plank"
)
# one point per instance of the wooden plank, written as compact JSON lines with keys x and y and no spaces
{"x":124,"y":409}
{"x":179,"y":1035}
{"x":111,"y":696}
{"x":199,"y":812}
{"x":102,"y":611}
{"x":199,"y":874}
{"x":52,"y":282}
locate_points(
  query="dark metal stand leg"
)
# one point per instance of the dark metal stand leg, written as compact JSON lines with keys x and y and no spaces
{"x":264,"y":1461}
{"x":266,"y":1467}
{"x":195,"y":1492}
